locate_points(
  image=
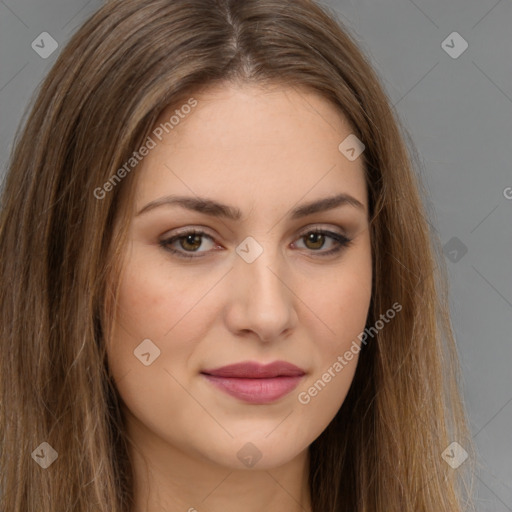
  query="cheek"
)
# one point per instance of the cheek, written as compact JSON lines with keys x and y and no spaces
{"x":155,"y":308}
{"x":152,"y":307}
{"x":325,"y":390}
{"x":153,"y":301}
{"x":344,"y":300}
{"x":342,"y":305}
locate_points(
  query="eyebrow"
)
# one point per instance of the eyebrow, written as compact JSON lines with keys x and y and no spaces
{"x":215,"y":209}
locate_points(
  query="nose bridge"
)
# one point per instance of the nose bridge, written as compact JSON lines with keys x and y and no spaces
{"x":261,"y":296}
{"x":258,"y":271}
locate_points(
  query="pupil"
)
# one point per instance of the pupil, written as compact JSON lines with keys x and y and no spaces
{"x":189,"y":239}
{"x":316,"y":238}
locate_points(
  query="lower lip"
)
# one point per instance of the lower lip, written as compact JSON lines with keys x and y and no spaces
{"x":256,"y":391}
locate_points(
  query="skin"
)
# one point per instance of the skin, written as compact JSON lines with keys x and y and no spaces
{"x":264,"y":151}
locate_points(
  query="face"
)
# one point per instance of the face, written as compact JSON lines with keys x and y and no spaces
{"x":274,"y":281}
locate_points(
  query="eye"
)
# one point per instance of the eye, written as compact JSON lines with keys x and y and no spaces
{"x":191,"y":241}
{"x":315,"y":239}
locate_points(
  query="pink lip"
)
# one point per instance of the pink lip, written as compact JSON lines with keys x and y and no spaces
{"x":256,"y":383}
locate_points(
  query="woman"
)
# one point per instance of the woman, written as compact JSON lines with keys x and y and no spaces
{"x":219,"y":285}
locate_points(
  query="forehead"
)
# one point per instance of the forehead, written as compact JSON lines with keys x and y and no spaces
{"x":267,"y":115}
{"x":253,"y":144}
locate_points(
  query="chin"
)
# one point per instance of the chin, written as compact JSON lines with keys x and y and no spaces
{"x":254,"y":452}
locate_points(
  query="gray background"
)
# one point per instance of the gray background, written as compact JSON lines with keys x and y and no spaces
{"x":459,"y":114}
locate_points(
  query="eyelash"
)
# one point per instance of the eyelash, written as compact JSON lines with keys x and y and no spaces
{"x":341,"y":240}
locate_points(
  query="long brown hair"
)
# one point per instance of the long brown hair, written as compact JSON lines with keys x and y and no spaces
{"x":60,"y":248}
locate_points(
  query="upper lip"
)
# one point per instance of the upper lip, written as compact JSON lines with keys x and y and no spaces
{"x":255,"y":370}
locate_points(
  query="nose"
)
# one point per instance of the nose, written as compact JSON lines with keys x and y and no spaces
{"x":262,"y":301}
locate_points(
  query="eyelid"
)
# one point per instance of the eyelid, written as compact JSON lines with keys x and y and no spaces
{"x":202,"y":229}
{"x":323,"y":227}
{"x":189,"y":230}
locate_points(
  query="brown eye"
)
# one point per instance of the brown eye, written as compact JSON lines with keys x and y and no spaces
{"x":189,"y":242}
{"x":316,"y":240}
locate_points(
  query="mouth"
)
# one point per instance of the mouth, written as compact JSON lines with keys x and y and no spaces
{"x":254,"y":383}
